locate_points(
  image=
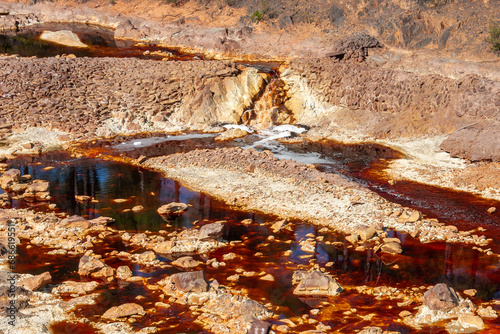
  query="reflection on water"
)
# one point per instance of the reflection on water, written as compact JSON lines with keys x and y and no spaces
{"x":108,"y":181}
{"x":420,"y":264}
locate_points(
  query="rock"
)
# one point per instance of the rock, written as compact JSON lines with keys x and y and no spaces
{"x":492,"y":210}
{"x":487,"y":312}
{"x":211,"y":231}
{"x":88,"y":265}
{"x":441,"y":297}
{"x":353,"y":47}
{"x":317,"y":283}
{"x":102,"y":220}
{"x":37,"y":191}
{"x":470,"y":322}
{"x":36,"y":282}
{"x":193,"y":281}
{"x":141,"y":159}
{"x":268,"y":277}
{"x":64,"y":37}
{"x":366,"y":233}
{"x":259,"y":327}
{"x":470,"y":292}
{"x":19,"y":187}
{"x":75,"y":221}
{"x":414,"y":217}
{"x":124,"y":310}
{"x":146,"y":257}
{"x":185,"y":262}
{"x":391,"y":248}
{"x":164,"y":247}
{"x":123,"y":272}
{"x":9,"y":178}
{"x":104,"y":273}
{"x":27,"y":145}
{"x":72,"y":287}
{"x":276,"y":227}
{"x":231,"y":134}
{"x":353,"y":238}
{"x":371,"y":330}
{"x":126,"y":30}
{"x":404,"y":314}
{"x":172,"y":209}
{"x":481,"y":141}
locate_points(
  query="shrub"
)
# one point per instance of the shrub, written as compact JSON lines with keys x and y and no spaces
{"x":494,"y":36}
{"x":256,"y":16}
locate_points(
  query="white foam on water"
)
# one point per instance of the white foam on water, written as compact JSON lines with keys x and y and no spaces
{"x":145,"y":142}
{"x":288,"y":128}
{"x":238,"y":126}
{"x":277,"y":132}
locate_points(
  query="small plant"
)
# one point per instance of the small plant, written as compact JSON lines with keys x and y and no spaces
{"x":112,"y":2}
{"x":256,"y":16}
{"x":494,"y":37}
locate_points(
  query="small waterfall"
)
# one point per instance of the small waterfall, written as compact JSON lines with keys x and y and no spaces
{"x":269,"y":108}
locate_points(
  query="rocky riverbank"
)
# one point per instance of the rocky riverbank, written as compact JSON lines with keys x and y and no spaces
{"x":259,"y":181}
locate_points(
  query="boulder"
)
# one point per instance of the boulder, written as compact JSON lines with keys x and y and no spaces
{"x":415,"y":216}
{"x":211,"y":231}
{"x":365,"y":233}
{"x":172,"y":209}
{"x":466,"y":323}
{"x":37,"y":191}
{"x":124,"y":310}
{"x":480,"y":141}
{"x":19,"y":188}
{"x":88,"y":265}
{"x":63,"y":37}
{"x":123,"y":272}
{"x":441,"y":297}
{"x":317,"y":283}
{"x":471,"y":321}
{"x":353,"y":47}
{"x":146,"y":257}
{"x":126,"y":30}
{"x":104,"y":273}
{"x":35,"y":282}
{"x":193,"y":281}
{"x":9,"y":179}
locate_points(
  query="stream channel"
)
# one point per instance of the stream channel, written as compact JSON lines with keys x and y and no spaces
{"x":459,"y":265}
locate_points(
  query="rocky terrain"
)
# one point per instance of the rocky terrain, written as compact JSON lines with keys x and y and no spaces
{"x":416,"y":75}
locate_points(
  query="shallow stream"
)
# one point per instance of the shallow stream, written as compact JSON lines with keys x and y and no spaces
{"x":420,"y":264}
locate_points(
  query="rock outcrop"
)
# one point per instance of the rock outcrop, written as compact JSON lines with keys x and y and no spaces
{"x":64,"y":37}
{"x":94,"y":96}
{"x":370,"y":102}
